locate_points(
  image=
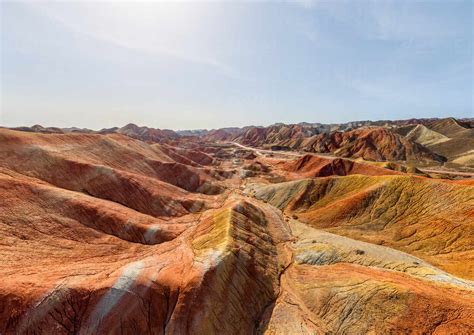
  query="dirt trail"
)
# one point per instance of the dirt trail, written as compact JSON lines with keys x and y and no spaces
{"x":260,"y":151}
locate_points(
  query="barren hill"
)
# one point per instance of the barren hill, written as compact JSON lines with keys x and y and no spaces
{"x":317,"y":166}
{"x":376,"y":144}
{"x":427,"y":218}
{"x":108,"y":234}
{"x":426,"y":136}
{"x":458,"y":145}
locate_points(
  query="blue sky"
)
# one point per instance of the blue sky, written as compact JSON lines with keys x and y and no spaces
{"x":191,"y":65}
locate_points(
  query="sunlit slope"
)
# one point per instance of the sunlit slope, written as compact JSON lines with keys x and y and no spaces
{"x":95,"y":267}
{"x":318,"y":166}
{"x":428,"y":218}
{"x":114,"y":167}
{"x":459,"y":146}
{"x":77,"y":161}
{"x":423,"y":135}
{"x":335,"y":284}
{"x":349,"y":299}
{"x":236,"y":248}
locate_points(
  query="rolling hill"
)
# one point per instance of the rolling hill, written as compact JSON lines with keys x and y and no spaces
{"x":107,"y":233}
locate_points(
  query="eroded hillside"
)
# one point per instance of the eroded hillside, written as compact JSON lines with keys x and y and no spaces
{"x":108,"y":234}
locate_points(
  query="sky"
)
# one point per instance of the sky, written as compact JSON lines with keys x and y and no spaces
{"x":192,"y":65}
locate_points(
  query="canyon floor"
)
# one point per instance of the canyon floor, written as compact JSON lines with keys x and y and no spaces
{"x":108,"y":234}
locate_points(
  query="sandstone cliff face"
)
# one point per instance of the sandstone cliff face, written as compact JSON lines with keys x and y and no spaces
{"x":105,"y":234}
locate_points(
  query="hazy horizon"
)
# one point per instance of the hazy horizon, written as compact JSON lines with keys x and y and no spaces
{"x":225,"y":127}
{"x":206,"y":65}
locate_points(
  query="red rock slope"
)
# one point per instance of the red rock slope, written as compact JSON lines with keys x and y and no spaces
{"x":105,"y":234}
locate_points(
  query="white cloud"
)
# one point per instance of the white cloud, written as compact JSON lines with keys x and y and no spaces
{"x":145,"y":28}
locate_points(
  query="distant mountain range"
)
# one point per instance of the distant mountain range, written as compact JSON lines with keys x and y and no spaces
{"x":424,"y":141}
